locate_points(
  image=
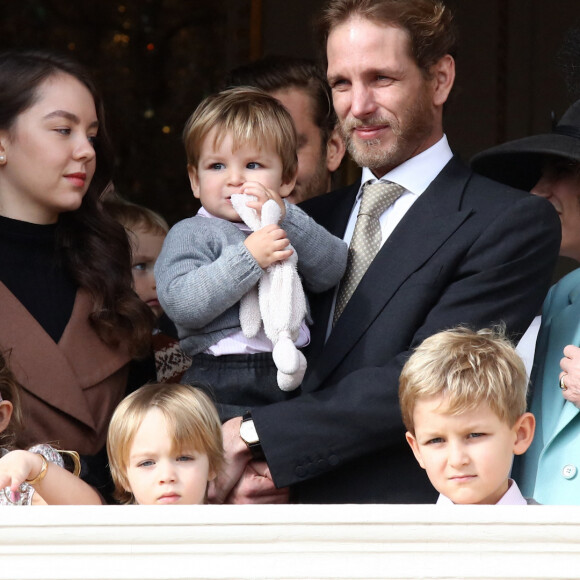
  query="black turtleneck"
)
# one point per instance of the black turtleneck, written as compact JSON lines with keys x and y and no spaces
{"x":32,"y":270}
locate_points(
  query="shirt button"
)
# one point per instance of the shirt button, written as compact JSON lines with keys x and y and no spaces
{"x":569,"y":471}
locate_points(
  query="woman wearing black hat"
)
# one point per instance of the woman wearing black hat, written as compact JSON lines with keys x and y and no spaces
{"x":549,"y":165}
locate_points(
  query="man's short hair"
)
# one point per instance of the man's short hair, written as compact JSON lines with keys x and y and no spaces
{"x":429,"y":23}
{"x":277,"y":73}
{"x":467,"y":368}
{"x":250,"y":115}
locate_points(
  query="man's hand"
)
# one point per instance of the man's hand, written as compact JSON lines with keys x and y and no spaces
{"x":237,"y":456}
{"x":256,"y":486}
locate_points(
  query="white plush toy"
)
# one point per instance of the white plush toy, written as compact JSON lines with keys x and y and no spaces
{"x":278,"y":302}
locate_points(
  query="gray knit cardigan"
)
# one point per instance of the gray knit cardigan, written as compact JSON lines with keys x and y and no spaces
{"x":204,"y":269}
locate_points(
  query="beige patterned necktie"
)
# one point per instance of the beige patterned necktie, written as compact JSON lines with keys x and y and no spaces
{"x":366,"y":239}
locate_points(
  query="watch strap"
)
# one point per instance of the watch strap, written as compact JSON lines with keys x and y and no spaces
{"x":254,"y":447}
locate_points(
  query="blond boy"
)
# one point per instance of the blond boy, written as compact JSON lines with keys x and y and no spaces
{"x":463,"y":400}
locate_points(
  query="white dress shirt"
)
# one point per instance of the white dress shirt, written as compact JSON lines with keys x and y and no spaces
{"x":415,"y":175}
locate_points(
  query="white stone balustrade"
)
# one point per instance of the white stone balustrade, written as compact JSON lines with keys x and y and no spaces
{"x":290,"y":542}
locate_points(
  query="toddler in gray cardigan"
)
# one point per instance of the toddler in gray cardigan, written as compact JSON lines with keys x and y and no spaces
{"x":238,"y":141}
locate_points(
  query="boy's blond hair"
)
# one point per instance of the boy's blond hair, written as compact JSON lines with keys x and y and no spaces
{"x":134,"y":217}
{"x":467,"y":368}
{"x":190,"y":414}
{"x":251,"y":116}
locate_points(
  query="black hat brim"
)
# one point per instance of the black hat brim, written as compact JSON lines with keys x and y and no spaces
{"x":519,"y":163}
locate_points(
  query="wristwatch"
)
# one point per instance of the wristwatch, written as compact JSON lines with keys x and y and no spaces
{"x":250,"y":437}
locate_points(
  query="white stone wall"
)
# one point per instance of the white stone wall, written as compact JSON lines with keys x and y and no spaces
{"x":290,"y":542}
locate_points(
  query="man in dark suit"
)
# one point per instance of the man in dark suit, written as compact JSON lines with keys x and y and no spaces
{"x":455,"y":248}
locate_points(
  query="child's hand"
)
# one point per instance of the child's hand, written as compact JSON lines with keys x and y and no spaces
{"x":263,"y":194}
{"x":18,"y":466}
{"x":267,"y":245}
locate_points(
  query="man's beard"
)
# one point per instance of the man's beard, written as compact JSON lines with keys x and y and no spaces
{"x":406,"y":138}
{"x":316,"y":185}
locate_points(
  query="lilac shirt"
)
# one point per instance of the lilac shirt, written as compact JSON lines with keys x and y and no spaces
{"x":512,"y":496}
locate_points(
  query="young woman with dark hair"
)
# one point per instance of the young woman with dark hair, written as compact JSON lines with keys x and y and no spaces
{"x":71,"y":320}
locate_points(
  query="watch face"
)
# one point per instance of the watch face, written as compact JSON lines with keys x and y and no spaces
{"x":248,"y":432}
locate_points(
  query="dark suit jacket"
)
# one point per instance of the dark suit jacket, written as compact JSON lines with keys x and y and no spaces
{"x":469,"y":251}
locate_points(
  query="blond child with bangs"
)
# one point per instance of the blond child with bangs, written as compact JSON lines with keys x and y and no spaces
{"x":241,"y":140}
{"x":164,"y":445}
{"x":463,"y":400}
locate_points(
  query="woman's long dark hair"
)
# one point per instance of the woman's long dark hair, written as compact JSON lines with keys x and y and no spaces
{"x":95,"y":248}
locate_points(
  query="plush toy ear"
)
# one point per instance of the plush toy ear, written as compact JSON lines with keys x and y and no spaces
{"x":271,"y":213}
{"x":250,"y":316}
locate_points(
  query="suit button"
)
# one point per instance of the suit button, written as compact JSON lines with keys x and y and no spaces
{"x":333,"y":460}
{"x":312,"y":469}
{"x":569,"y":471}
{"x":300,"y":471}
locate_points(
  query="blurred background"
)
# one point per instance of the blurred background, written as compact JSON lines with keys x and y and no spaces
{"x":155,"y":60}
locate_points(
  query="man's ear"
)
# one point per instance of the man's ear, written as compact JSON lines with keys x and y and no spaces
{"x":193,"y":180}
{"x":524,"y":431}
{"x":335,"y":150}
{"x":443,"y":77}
{"x":6,"y":409}
{"x":412,"y":441}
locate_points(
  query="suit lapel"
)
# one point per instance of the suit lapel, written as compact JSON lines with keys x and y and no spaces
{"x":57,"y":373}
{"x":429,"y":223}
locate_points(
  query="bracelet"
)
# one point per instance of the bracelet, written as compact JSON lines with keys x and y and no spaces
{"x":76,"y":460}
{"x":41,"y":474}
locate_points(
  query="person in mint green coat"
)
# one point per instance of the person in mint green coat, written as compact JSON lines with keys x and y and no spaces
{"x":550,"y":470}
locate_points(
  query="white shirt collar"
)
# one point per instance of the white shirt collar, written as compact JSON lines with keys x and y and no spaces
{"x":417,"y":173}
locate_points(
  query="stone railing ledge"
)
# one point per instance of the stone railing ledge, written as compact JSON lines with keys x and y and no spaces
{"x":290,"y":541}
